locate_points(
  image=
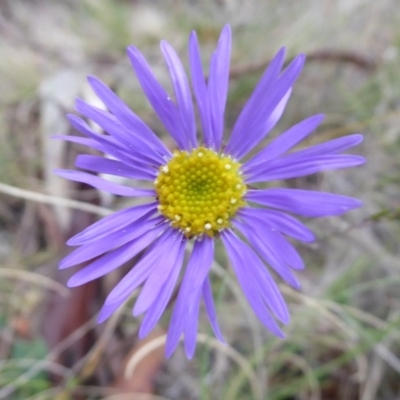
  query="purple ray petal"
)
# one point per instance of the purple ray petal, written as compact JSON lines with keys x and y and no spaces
{"x":276,"y":244}
{"x":107,"y":310}
{"x":157,"y":308}
{"x":104,"y":165}
{"x":108,"y":242}
{"x":114,"y":259}
{"x":176,"y":325}
{"x":196,"y":272}
{"x":182,"y":91}
{"x":143,"y":268}
{"x":114,"y":222}
{"x":200,"y":90}
{"x":304,"y":202}
{"x":282,"y":222}
{"x":83,"y":141}
{"x":246,"y":278}
{"x":276,"y":114}
{"x":81,"y":126}
{"x":258,"y":96}
{"x":133,"y":143}
{"x":210,"y":308}
{"x":287,"y":167}
{"x":268,"y":245}
{"x":153,"y":285}
{"x":127,"y":116}
{"x":269,"y":123}
{"x":191,"y":324}
{"x":101,"y":184}
{"x":218,"y":84}
{"x":158,"y":98}
{"x":108,"y":143}
{"x":254,"y":132}
{"x":329,"y":147}
{"x":264,"y":282}
{"x":284,"y":142}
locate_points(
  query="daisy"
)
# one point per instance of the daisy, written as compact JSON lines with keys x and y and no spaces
{"x":201,"y":192}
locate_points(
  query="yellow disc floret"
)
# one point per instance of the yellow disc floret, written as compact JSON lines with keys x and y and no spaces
{"x":200,"y":191}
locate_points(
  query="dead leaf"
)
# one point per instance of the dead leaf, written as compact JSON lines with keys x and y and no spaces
{"x":142,"y":380}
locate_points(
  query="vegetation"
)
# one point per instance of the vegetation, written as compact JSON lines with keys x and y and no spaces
{"x":344,"y":338}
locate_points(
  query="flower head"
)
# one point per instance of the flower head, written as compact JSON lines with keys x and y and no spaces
{"x":201,"y":192}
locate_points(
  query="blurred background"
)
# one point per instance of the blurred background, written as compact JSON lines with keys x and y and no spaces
{"x":344,"y":338}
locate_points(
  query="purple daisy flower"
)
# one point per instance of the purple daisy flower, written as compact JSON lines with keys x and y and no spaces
{"x":201,"y":192}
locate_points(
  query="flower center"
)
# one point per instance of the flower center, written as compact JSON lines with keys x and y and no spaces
{"x":200,"y":191}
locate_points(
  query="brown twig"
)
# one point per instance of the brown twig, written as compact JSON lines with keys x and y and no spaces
{"x":359,"y":60}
